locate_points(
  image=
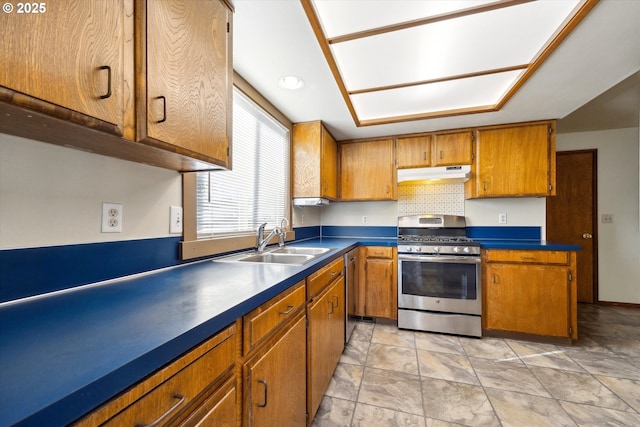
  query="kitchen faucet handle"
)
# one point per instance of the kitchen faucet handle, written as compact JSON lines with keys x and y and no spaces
{"x":282,"y":221}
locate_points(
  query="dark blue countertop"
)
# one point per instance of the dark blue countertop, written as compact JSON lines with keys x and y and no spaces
{"x":526,"y":245}
{"x":64,"y":354}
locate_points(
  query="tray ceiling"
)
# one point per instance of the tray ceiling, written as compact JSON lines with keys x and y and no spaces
{"x":413,"y":60}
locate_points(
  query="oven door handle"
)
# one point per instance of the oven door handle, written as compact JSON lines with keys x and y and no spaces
{"x":440,"y":258}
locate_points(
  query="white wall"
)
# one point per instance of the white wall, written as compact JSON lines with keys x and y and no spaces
{"x":618,"y":192}
{"x":52,"y":195}
{"x":526,"y":211}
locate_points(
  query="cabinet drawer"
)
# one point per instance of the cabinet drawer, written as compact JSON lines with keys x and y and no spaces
{"x":264,"y":319}
{"x":317,"y":281}
{"x":537,"y":257}
{"x":170,"y":390}
{"x":379,"y":252}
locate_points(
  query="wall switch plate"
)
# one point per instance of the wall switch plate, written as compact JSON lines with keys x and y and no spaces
{"x":502,"y":218}
{"x":175,"y":218}
{"x":111,"y":218}
{"x":607,"y":218}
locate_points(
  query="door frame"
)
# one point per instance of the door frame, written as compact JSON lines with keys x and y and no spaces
{"x":594,"y":210}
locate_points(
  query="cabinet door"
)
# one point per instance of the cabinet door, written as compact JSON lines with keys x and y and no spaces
{"x":380,"y":297}
{"x":276,"y":382}
{"x":329,"y":166}
{"x":319,"y":349}
{"x":516,"y":161}
{"x":452,"y":149}
{"x":220,"y":409}
{"x":367,"y":170}
{"x":188,"y":78}
{"x":532,"y":299}
{"x":70,"y":54}
{"x":414,"y":152}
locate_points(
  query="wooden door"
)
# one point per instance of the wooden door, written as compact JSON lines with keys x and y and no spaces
{"x":452,"y":149}
{"x":188,"y":78}
{"x":533,"y":299}
{"x":277,"y":382}
{"x":571,"y":215}
{"x":68,"y":54}
{"x":414,"y":152}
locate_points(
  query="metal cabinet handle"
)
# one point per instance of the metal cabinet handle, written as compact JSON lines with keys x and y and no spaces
{"x":162,"y":417}
{"x":289,"y":308}
{"x":108,"y":94}
{"x":164,"y":109}
{"x":440,"y":154}
{"x":495,"y":280}
{"x":337,"y":300}
{"x":332,"y":307}
{"x":424,"y":155}
{"x":262,"y":405}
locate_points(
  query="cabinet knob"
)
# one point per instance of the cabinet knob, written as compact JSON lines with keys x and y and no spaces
{"x":587,"y":236}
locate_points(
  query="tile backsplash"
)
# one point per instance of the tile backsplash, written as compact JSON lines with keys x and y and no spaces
{"x":414,"y":199}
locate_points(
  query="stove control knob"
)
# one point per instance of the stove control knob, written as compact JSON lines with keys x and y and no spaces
{"x":409,"y":248}
{"x":456,"y":249}
{"x":436,"y":249}
{"x":418,"y":249}
{"x":466,"y":250}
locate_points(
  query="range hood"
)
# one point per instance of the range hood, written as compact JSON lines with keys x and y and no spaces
{"x":310,"y":201}
{"x":440,"y":173}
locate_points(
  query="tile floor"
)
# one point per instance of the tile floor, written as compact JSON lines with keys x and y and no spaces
{"x":391,"y":377}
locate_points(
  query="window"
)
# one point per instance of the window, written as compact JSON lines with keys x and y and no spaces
{"x":256,"y":190}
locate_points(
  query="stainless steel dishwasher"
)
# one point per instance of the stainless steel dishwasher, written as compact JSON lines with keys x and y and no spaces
{"x":351,"y":291}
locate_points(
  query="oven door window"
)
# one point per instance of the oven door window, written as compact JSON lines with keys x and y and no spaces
{"x":440,"y":280}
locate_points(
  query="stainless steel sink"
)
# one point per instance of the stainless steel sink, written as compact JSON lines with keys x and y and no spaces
{"x":306,"y":250}
{"x":278,"y":258}
{"x":293,"y":255}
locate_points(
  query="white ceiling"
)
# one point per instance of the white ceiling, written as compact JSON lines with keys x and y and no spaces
{"x":273,"y":38}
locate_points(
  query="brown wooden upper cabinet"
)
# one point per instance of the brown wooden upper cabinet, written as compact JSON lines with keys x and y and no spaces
{"x":72,"y":55}
{"x":154,"y":78}
{"x":315,"y":161}
{"x":514,"y":161}
{"x":414,"y":152}
{"x":367,"y":170}
{"x":451,"y":149}
{"x":184,"y":98}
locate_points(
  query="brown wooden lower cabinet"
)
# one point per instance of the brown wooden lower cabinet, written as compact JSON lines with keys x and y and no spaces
{"x":325,"y":341}
{"x":275,"y":381}
{"x":182,"y":392}
{"x":378,"y":282}
{"x":530,"y":292}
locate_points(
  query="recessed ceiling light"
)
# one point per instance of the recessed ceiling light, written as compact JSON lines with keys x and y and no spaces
{"x":291,"y":82}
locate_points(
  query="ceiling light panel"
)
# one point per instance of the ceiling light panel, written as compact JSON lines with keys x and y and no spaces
{"x":443,"y":97}
{"x":347,"y":17}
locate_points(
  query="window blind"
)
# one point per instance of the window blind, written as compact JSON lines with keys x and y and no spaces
{"x":256,"y":190}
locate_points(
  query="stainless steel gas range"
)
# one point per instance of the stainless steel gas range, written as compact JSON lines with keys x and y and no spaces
{"x":439,"y":276}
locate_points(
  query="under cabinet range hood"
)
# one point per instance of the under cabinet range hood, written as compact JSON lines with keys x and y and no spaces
{"x":310,"y":201}
{"x":446,"y":174}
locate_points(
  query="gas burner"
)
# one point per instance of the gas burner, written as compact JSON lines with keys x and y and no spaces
{"x":433,"y":239}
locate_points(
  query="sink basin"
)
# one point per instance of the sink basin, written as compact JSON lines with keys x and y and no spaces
{"x":292,"y":255}
{"x":278,"y":258}
{"x":306,"y":250}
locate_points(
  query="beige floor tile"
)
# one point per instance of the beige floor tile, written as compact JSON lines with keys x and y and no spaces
{"x":593,"y":416}
{"x":355,"y":352}
{"x":452,"y":367}
{"x":374,"y":416}
{"x":519,"y":409}
{"x":459,"y":403}
{"x":545,"y":355}
{"x":392,"y":358}
{"x":334,"y":413}
{"x":362,"y":332}
{"x":397,"y":391}
{"x":512,"y":376}
{"x":610,"y":365}
{"x":438,"y":342}
{"x":391,"y":335}
{"x":487,"y":348}
{"x":345,"y":382}
{"x":627,"y":390}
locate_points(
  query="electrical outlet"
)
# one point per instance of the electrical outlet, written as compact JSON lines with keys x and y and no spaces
{"x":364,"y":219}
{"x":607,"y":218}
{"x":502,"y":218}
{"x":111,"y":218}
{"x":175,"y":219}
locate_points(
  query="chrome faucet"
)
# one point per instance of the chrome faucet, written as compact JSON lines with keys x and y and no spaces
{"x":283,"y":231}
{"x":261,"y":241}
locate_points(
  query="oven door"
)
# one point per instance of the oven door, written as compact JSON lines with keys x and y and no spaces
{"x":441,"y":283}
